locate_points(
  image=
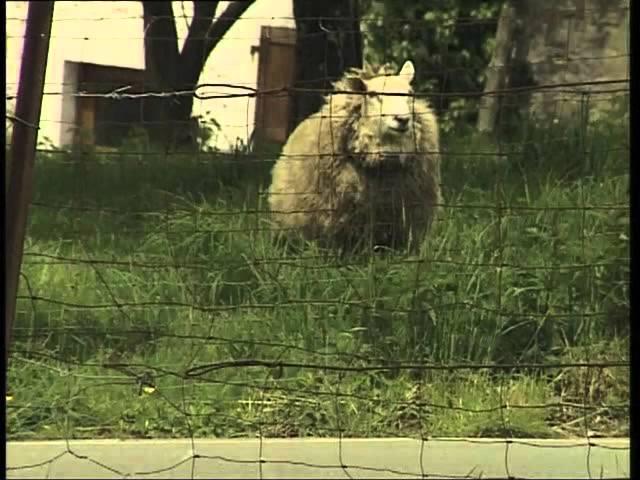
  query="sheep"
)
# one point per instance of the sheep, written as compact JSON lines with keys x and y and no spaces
{"x":364,"y":171}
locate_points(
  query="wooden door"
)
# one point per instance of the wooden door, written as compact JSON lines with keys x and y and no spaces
{"x":276,"y":69}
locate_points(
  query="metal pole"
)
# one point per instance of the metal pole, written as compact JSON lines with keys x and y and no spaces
{"x":23,"y":149}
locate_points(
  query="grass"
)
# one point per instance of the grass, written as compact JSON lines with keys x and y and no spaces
{"x":138,"y":268}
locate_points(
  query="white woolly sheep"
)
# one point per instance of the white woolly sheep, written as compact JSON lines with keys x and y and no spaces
{"x":364,"y":171}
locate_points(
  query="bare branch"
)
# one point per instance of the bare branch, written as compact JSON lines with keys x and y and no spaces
{"x":497,"y":69}
{"x":205,"y":10}
{"x":160,"y":40}
{"x":203,"y":16}
{"x":193,"y":55}
{"x":222,"y":25}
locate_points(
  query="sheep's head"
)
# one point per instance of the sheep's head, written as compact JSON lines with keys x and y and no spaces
{"x":389,"y":116}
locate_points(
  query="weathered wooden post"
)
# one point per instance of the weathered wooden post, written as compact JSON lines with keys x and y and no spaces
{"x":23,"y":149}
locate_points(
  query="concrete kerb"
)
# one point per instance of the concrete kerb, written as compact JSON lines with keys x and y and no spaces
{"x":320,"y":458}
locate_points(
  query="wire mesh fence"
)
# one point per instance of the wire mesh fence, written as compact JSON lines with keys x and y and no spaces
{"x":159,"y":298}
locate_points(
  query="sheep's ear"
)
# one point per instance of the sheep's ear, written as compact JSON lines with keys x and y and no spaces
{"x":407,"y":70}
{"x":356,"y":84}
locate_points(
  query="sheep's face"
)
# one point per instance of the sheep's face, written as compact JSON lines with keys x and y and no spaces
{"x":391,"y":116}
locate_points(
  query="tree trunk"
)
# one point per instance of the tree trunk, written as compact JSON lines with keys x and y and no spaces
{"x":497,"y":70}
{"x":168,"y":119}
{"x":509,"y":68}
{"x":329,"y":42}
{"x":162,"y":62}
{"x":515,"y":107}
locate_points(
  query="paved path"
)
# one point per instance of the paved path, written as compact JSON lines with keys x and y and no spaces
{"x":320,"y":458}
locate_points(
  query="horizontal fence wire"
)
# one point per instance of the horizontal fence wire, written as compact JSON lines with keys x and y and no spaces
{"x":160,"y":297}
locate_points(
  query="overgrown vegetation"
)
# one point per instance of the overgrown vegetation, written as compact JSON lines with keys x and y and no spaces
{"x":450,"y":40}
{"x":140,"y":267}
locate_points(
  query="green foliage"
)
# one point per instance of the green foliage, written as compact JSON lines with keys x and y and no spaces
{"x":450,"y":41}
{"x":207,"y":131}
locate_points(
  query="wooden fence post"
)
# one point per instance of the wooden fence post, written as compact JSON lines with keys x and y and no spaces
{"x":23,"y":149}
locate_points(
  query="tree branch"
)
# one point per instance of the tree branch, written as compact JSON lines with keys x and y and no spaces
{"x":205,"y":10}
{"x":497,"y":69}
{"x":218,"y":30}
{"x":193,"y":55}
{"x":160,"y":41}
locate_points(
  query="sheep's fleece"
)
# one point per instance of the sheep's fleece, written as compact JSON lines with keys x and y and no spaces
{"x":364,"y":171}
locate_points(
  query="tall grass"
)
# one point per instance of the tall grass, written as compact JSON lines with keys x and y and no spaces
{"x":165,"y":263}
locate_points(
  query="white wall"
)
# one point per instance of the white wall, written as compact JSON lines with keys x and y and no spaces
{"x":111,"y":33}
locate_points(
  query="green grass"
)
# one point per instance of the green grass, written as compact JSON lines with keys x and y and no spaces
{"x":528,"y":263}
